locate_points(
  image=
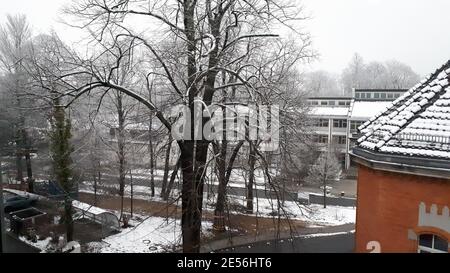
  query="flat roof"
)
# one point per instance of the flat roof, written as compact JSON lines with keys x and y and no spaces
{"x":368,"y":109}
{"x":329,"y":111}
{"x":330,"y":98}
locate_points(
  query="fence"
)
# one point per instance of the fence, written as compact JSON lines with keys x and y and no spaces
{"x":332,"y":201}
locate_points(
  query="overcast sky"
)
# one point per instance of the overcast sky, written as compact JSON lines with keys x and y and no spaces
{"x":412,"y":31}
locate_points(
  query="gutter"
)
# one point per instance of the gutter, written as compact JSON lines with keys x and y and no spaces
{"x":401,"y":164}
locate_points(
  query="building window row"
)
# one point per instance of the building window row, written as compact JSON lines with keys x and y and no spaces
{"x":341,"y":140}
{"x":320,"y":139}
{"x":340,"y":123}
{"x":354,"y":124}
{"x":329,"y":102}
{"x":377,"y":95}
{"x":320,"y":123}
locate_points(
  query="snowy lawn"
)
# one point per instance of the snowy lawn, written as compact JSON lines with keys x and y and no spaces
{"x":154,"y":234}
{"x":139,"y":192}
{"x":314,"y":214}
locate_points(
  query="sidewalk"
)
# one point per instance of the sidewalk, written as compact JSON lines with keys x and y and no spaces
{"x":250,"y":239}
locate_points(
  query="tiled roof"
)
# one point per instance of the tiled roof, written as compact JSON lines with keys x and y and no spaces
{"x":415,"y":124}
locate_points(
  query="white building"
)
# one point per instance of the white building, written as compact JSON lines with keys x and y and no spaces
{"x":336,"y":119}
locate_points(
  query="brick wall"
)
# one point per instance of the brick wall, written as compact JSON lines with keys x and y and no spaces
{"x":388,"y":206}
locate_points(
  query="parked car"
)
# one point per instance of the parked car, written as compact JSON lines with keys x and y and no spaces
{"x":13,"y":202}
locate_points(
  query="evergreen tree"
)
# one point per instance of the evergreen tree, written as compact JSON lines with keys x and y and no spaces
{"x":61,"y":151}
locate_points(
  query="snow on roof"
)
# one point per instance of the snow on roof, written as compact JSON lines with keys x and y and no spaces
{"x":24,"y":194}
{"x":417,"y":123}
{"x":329,"y":111}
{"x":367,"y":109}
{"x":88,"y":208}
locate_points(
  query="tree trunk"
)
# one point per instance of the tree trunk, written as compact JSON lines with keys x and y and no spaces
{"x":324,"y":193}
{"x":172,"y":181}
{"x":251,"y":179}
{"x":166,"y":167}
{"x":68,"y":220}
{"x":224,"y":173}
{"x":121,"y":150}
{"x":27,"y":147}
{"x":19,"y":165}
{"x":325,"y":171}
{"x":152,"y":156}
{"x":95,"y":189}
{"x":219,"y":212}
{"x":192,"y":192}
{"x":131,"y":195}
{"x":30,"y":179}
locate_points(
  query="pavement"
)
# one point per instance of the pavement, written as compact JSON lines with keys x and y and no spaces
{"x":337,"y":243}
{"x":343,"y":242}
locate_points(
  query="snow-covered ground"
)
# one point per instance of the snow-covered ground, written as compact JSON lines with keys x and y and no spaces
{"x":39,"y":244}
{"x":154,"y":234}
{"x":238,"y":177}
{"x":139,"y":192}
{"x":313,"y":214}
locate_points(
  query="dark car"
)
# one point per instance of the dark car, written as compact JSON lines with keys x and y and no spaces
{"x":13,"y":202}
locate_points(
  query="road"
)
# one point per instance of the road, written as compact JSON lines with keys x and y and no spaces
{"x":340,"y":243}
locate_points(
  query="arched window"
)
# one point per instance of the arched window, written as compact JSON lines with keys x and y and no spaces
{"x":429,"y":243}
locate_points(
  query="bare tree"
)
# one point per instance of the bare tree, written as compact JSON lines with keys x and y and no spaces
{"x":208,"y":31}
{"x":326,"y":168}
{"x":353,"y":74}
{"x":14,"y":38}
{"x":322,"y":83}
{"x":389,"y":75}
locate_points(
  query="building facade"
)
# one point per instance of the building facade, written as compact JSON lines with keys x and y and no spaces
{"x":336,"y":119}
{"x":403,"y":185}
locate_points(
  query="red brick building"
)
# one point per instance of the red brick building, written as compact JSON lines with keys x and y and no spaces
{"x":403,"y":158}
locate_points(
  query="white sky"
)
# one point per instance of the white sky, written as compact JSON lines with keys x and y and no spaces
{"x":412,"y":31}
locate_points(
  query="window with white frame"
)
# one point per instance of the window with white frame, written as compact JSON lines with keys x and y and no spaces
{"x":429,"y":243}
{"x":340,"y":123}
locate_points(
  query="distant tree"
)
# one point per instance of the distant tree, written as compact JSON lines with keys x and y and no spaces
{"x":353,"y":75}
{"x":376,"y":75}
{"x":401,"y":75}
{"x":326,"y":168}
{"x":389,"y":75}
{"x":14,"y":39}
{"x":321,"y":83}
